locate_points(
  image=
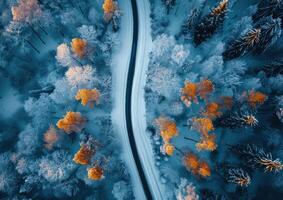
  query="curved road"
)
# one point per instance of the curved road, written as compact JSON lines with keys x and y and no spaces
{"x":128,"y":102}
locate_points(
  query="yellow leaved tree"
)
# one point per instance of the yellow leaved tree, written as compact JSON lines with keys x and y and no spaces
{"x":72,"y":122}
{"x":88,"y":96}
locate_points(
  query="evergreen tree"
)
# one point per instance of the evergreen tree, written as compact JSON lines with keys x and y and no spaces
{"x":256,"y":157}
{"x":272,"y":69}
{"x":236,"y":120}
{"x":262,"y":36}
{"x":210,"y":23}
{"x":266,"y":8}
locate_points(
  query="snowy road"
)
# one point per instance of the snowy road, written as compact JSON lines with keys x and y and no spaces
{"x":129,"y":77}
{"x":120,"y":68}
{"x":138,"y":103}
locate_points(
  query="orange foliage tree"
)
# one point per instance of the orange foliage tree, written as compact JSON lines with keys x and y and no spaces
{"x":50,"y":137}
{"x":88,"y":96}
{"x":79,"y":47}
{"x":95,"y":173}
{"x":168,"y":129}
{"x":83,"y":156}
{"x":203,"y":125}
{"x":72,"y":122}
{"x":207,"y":143}
{"x":168,"y":148}
{"x":256,"y":98}
{"x":212,"y":111}
{"x":197,"y":167}
{"x":226,"y":102}
{"x":205,"y":87}
{"x":109,"y":7}
{"x":191,"y":91}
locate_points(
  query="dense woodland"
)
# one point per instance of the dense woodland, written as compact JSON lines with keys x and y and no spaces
{"x":56,"y":135}
{"x":214,"y":98}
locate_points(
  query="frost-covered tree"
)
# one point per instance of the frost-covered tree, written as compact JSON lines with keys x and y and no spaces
{"x":122,"y":191}
{"x":186,"y":191}
{"x":81,"y":77}
{"x":30,"y":140}
{"x":179,"y":55}
{"x":67,"y":188}
{"x":208,"y":25}
{"x":163,"y":81}
{"x":40,"y":109}
{"x":162,"y":46}
{"x":64,"y":56}
{"x":88,"y":33}
{"x":8,"y":176}
{"x":57,"y":166}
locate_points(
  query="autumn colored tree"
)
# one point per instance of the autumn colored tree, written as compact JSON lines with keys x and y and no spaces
{"x":79,"y":47}
{"x":203,"y":125}
{"x":210,"y":23}
{"x":109,"y":6}
{"x":50,"y":137}
{"x":88,"y":96}
{"x":226,"y":102}
{"x":207,"y":143}
{"x":191,"y":162}
{"x":204,"y":169}
{"x":26,"y":11}
{"x":72,"y":122}
{"x":95,"y":173}
{"x":205,"y":87}
{"x":197,"y":167}
{"x":168,"y":149}
{"x":212,"y":110}
{"x":189,"y":93}
{"x":256,"y":98}
{"x":168,"y":129}
{"x":84,"y":155}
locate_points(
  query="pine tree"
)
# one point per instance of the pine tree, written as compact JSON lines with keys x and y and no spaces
{"x":256,"y":157}
{"x":270,"y":32}
{"x":267,"y":8}
{"x":262,"y":36}
{"x":238,"y":177}
{"x":272,"y":69}
{"x":242,"y":45}
{"x":210,"y":23}
{"x":236,"y":120}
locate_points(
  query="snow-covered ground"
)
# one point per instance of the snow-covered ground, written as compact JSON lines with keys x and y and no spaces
{"x":138,"y":103}
{"x":120,"y":66}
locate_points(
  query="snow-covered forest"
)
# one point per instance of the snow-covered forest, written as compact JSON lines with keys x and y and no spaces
{"x":214,"y":98}
{"x":56,"y":137}
{"x":205,"y":105}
